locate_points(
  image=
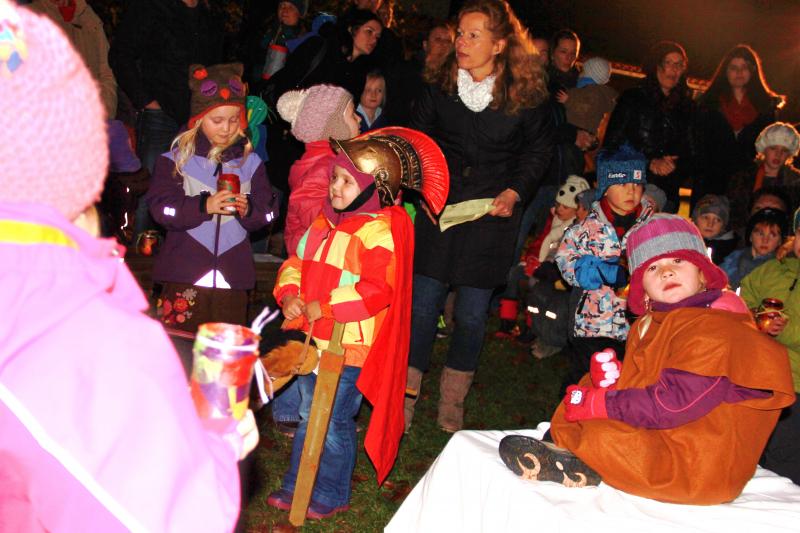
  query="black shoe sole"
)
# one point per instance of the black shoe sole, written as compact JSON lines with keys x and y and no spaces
{"x":536,"y":460}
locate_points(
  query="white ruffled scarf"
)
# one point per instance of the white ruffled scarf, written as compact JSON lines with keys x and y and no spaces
{"x":476,"y":95}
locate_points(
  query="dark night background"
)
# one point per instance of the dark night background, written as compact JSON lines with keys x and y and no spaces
{"x":620,"y":30}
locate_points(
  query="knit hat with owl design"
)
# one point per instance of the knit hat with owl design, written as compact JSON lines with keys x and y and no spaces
{"x":216,"y":86}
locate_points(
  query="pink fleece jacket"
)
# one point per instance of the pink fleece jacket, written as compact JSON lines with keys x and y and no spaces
{"x":97,"y":428}
{"x":308,"y":182}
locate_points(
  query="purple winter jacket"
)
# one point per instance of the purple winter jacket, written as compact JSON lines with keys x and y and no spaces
{"x":177,"y":203}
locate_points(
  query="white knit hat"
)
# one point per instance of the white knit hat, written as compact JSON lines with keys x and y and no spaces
{"x":778,"y":134}
{"x":567,"y":193}
{"x":598,"y":69}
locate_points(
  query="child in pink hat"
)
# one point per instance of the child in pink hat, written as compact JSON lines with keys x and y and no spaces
{"x":98,"y":431}
{"x":317,"y":114}
{"x":697,"y":380}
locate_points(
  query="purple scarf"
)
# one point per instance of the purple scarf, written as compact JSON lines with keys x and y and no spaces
{"x":701,"y":299}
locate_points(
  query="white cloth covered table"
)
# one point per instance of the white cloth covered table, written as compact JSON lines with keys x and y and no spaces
{"x":468,"y":488}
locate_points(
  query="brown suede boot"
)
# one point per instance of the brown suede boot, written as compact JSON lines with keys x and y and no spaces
{"x":413,"y":386}
{"x":453,"y":388}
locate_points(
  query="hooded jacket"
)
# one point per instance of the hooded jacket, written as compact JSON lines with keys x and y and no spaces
{"x":308,"y":180}
{"x":178,"y":204}
{"x":97,"y":428}
{"x":777,"y":279}
{"x":600,"y":312}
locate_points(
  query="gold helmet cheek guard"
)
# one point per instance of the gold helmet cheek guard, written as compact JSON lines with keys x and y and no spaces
{"x":377,"y":157}
{"x":399,"y":157}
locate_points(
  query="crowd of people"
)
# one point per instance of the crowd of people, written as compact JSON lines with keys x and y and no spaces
{"x":341,"y":148}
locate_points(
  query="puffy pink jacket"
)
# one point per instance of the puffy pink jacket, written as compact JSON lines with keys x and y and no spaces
{"x":308,"y":181}
{"x":97,"y":428}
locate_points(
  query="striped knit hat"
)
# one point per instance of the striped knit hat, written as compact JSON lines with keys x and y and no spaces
{"x":662,"y":236}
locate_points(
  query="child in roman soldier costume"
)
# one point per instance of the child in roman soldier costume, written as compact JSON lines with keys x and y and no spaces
{"x":353,"y":266}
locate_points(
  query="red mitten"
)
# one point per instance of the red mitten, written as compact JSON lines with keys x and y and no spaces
{"x":604,"y":369}
{"x":584,"y":403}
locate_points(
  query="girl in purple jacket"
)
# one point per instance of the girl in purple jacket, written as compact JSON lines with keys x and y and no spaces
{"x":209,"y":191}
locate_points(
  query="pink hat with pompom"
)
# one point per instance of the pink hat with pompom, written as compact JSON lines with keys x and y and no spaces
{"x":316,"y":113}
{"x":53,"y":141}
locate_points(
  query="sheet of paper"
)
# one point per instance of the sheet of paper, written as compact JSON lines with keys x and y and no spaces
{"x":461,"y":212}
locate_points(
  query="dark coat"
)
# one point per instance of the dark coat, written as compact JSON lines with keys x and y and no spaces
{"x":740,"y":192}
{"x":567,"y":158}
{"x":657,"y":126}
{"x":722,"y":152}
{"x":487,"y":152}
{"x":332,"y":68}
{"x":154,"y":45}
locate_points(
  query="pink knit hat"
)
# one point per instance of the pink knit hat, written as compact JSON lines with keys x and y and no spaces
{"x":316,"y":113}
{"x":53,"y":144}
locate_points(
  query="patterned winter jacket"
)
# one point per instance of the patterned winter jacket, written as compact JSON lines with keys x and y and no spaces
{"x":349,"y":269}
{"x":600,"y":312}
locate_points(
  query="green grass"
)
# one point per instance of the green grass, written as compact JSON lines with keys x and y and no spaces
{"x":511,"y":390}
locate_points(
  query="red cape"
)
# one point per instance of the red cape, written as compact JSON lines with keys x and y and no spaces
{"x":383,"y":377}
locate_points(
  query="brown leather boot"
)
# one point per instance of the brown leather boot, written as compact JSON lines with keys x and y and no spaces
{"x":413,"y":386}
{"x":453,"y":388}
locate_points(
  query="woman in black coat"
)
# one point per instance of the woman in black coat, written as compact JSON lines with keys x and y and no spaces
{"x":495,"y":132}
{"x":658,"y":119}
{"x":736,"y":107}
{"x":340,"y":55}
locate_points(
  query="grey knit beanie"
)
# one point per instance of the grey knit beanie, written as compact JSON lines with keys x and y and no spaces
{"x":598,"y":69}
{"x":713,"y":203}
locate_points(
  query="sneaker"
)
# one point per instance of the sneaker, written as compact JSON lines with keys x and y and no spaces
{"x":541,"y":350}
{"x":287,"y":428}
{"x":280,"y":499}
{"x":318,"y":511}
{"x":536,"y":460}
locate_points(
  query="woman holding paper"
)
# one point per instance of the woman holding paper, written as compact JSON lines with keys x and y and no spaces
{"x":484,"y":109}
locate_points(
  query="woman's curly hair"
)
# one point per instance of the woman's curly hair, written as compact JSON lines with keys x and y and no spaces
{"x":520,"y":79}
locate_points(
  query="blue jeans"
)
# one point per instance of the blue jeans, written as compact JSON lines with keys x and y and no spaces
{"x":338,"y":460}
{"x":154,"y":134}
{"x":470,"y":314}
{"x":286,"y":404}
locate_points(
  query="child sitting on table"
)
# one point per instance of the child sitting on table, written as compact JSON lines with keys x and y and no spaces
{"x":684,"y":419}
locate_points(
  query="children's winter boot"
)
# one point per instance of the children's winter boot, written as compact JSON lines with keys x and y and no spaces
{"x":413,"y":386}
{"x":508,"y":318}
{"x":453,"y":388}
{"x":526,"y":334}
